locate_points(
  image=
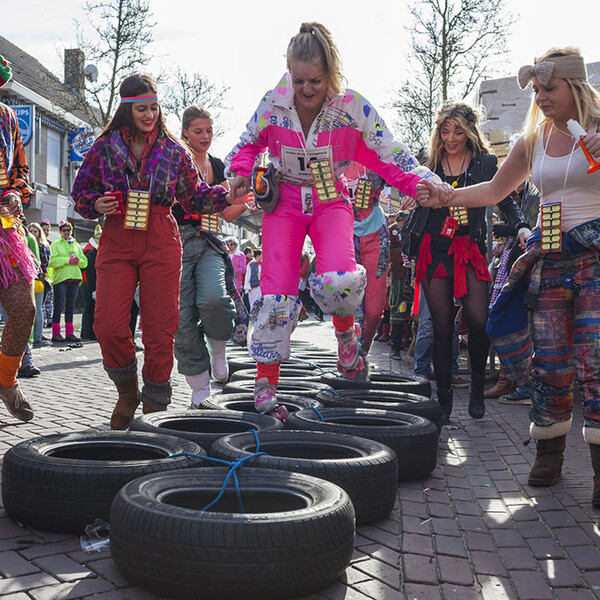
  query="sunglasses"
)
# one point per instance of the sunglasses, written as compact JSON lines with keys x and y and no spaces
{"x":65,"y":229}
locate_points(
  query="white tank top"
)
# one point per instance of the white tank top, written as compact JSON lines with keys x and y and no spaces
{"x":580,"y":196}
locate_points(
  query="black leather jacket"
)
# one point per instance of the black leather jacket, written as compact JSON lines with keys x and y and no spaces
{"x":481,"y":168}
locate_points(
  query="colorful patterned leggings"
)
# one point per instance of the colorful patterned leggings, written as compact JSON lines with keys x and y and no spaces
{"x":565,"y":333}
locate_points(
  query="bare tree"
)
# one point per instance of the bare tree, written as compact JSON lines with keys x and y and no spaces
{"x":455,"y":43}
{"x":182,"y":90}
{"x":115,"y":39}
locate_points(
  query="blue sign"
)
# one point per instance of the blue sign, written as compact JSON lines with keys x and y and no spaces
{"x":80,"y":141}
{"x":25,"y":116}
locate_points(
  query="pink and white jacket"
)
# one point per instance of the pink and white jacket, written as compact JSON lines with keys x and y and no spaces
{"x":347,"y":129}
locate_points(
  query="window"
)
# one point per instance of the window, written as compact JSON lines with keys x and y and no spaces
{"x":53,"y":164}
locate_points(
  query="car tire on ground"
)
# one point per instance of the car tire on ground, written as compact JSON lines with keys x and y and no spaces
{"x":64,"y":482}
{"x":381,"y":380}
{"x":398,"y":401}
{"x":414,"y":439}
{"x":295,"y":538}
{"x":367,"y":470}
{"x":298,"y":387}
{"x":204,"y":426}
{"x":245,"y":402}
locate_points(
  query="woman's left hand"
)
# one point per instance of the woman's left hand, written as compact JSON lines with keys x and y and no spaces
{"x":523,"y":235}
{"x":408,"y":203}
{"x":11,"y":204}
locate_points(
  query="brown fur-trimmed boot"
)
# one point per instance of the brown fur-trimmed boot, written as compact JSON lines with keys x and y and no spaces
{"x":548,"y":461}
{"x":129,"y":399}
{"x":503,"y":386}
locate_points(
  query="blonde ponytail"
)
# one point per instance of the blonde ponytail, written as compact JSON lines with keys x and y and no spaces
{"x":314,"y":43}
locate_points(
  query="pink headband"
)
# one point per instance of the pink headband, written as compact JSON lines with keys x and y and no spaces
{"x":149,"y":98}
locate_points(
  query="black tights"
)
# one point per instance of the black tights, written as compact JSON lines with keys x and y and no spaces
{"x":439,"y":295}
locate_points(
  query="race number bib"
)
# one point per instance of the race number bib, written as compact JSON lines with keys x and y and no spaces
{"x":295,"y":163}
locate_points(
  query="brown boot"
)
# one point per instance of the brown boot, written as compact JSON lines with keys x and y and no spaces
{"x":147,"y":410}
{"x":548,"y":461}
{"x":595,"y":452}
{"x":503,"y":386}
{"x":129,"y":398}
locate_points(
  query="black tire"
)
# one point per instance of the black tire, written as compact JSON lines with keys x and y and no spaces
{"x":204,"y":426}
{"x":367,"y":470}
{"x":243,"y":363}
{"x":381,"y":380}
{"x":296,"y":537}
{"x":414,"y":439}
{"x":245,"y":402}
{"x":379,"y":399}
{"x":285,"y":374}
{"x":63,"y":482}
{"x":292,"y":388}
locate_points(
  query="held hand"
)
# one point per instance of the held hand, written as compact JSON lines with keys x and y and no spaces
{"x":240,"y":186}
{"x":252,"y":207}
{"x":408,"y":203}
{"x":523,"y":235}
{"x":11,"y":205}
{"x":447,"y":193}
{"x":106,"y":205}
{"x":74,"y":260}
{"x":427,"y":194}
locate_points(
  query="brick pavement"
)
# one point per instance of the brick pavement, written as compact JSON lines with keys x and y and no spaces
{"x":473,"y":529}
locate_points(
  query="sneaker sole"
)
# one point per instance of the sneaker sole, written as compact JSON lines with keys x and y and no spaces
{"x":523,"y":402}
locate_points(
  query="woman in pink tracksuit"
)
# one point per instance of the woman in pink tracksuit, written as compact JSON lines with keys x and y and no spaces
{"x":313,"y":128}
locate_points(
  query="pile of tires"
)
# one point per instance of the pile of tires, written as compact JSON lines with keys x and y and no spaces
{"x":365,"y":469}
{"x":414,"y":439}
{"x":295,"y":537}
{"x":64,"y":482}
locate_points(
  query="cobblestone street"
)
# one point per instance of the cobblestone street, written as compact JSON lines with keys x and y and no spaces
{"x":473,"y":529}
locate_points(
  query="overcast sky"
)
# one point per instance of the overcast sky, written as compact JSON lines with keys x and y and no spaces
{"x":242,"y":44}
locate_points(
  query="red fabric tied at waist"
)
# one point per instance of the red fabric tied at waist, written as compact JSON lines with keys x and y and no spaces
{"x":424,"y":259}
{"x":466,"y":251}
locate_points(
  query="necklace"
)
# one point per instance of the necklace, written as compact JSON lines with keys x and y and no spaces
{"x":455,"y":182}
{"x":204,"y":174}
{"x":562,"y":131}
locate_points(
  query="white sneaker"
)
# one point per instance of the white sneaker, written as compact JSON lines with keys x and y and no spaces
{"x":200,"y":385}
{"x":218,"y":359}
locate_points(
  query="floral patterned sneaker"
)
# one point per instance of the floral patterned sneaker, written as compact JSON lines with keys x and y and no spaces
{"x":265,"y":400}
{"x":348,"y":350}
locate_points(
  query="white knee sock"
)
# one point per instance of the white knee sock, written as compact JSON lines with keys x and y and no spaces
{"x":200,"y":385}
{"x":218,"y":359}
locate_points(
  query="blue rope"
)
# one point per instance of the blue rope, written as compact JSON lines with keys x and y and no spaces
{"x":317,"y":411}
{"x":331,"y":390}
{"x":233,"y":466}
